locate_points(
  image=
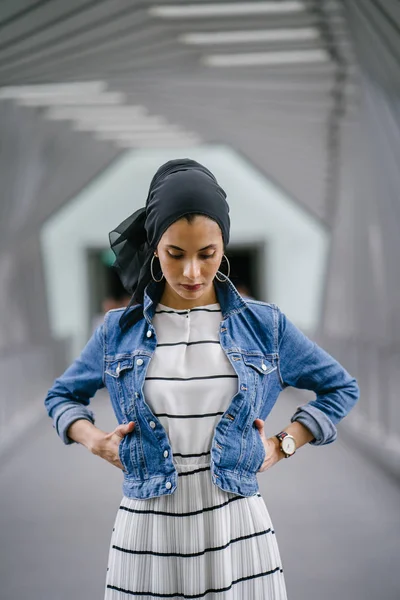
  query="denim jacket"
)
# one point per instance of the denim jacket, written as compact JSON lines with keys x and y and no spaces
{"x":268,"y":354}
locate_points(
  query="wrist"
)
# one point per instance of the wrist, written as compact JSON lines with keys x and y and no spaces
{"x":277,"y":446}
{"x":85,"y":433}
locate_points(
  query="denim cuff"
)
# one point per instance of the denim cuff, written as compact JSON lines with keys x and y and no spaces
{"x":68,"y":414}
{"x":317,"y":422}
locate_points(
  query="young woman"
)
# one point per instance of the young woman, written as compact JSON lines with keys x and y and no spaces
{"x":193,"y":370}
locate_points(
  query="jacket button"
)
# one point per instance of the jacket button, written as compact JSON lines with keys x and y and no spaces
{"x":165,"y":453}
{"x":152,"y":424}
{"x":168,"y":485}
{"x":139,"y":362}
{"x":149,"y":333}
{"x":264,"y":367}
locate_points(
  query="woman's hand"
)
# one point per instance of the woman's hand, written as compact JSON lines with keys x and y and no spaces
{"x":273,"y":452}
{"x":106,"y":445}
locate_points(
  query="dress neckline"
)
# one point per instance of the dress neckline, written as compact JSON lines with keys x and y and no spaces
{"x":215,"y":305}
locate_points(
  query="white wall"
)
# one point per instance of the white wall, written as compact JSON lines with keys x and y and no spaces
{"x":296,"y":244}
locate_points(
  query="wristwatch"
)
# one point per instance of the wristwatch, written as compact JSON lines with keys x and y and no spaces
{"x":287,"y":443}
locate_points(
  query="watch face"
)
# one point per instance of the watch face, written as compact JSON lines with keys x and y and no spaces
{"x":288,"y":445}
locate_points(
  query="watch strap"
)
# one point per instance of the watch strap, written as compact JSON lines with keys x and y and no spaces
{"x":281,"y":436}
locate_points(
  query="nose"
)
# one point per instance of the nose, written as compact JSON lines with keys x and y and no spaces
{"x":191,"y":270}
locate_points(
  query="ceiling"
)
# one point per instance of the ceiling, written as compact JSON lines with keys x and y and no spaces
{"x":275,"y":80}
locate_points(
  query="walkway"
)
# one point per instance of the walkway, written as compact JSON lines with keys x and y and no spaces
{"x":336,"y":516}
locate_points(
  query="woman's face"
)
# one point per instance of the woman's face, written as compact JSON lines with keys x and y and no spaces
{"x":190,"y":255}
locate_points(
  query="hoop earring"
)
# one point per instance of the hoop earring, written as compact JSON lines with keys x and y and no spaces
{"x":229,"y":270}
{"x":152,"y":273}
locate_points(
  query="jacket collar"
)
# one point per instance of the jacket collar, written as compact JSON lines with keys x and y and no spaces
{"x":228,"y":297}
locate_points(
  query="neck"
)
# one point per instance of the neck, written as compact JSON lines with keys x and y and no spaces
{"x":173,"y":300}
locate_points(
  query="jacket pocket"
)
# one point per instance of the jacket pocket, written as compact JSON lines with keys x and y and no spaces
{"x":259,"y":364}
{"x":257,"y":374}
{"x":121,"y":454}
{"x":125,"y":455}
{"x":116,"y":367}
{"x":120,"y":382}
{"x":260,"y":453}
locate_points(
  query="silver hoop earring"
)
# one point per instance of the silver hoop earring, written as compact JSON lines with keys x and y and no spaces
{"x":152,"y":273}
{"x":229,"y":270}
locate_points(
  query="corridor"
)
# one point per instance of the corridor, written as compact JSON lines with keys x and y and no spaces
{"x":337,"y":518}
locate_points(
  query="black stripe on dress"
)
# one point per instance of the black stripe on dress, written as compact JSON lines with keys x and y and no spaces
{"x":186,"y":514}
{"x":209,"y":591}
{"x":191,"y":378}
{"x":214,"y":310}
{"x":188,"y":417}
{"x":191,"y":455}
{"x":194,"y":554}
{"x":189,"y":310}
{"x":193,"y":472}
{"x":188,"y":343}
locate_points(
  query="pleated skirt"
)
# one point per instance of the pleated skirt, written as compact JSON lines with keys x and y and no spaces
{"x":199,"y":542}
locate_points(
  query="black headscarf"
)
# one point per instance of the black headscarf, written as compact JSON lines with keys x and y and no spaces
{"x":180,"y":187}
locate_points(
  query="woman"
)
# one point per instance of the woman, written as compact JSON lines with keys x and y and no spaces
{"x":193,"y":370}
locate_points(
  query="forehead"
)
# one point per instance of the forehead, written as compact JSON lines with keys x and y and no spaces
{"x":199,"y":230}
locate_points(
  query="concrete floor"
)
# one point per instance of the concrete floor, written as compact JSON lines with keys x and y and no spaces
{"x":337,"y":518}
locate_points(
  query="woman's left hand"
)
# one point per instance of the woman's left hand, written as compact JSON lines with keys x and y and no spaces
{"x":273,"y":453}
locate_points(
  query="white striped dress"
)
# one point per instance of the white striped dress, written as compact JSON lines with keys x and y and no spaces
{"x":199,"y":542}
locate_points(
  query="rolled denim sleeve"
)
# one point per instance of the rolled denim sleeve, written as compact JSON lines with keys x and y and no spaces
{"x":303,"y":364}
{"x":68,"y":399}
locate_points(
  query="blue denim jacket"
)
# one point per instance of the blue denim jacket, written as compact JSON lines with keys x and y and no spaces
{"x":268,"y":354}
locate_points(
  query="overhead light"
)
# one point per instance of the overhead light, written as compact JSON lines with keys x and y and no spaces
{"x":92,"y":108}
{"x":160,"y":143}
{"x":243,"y":37}
{"x":134,"y":125}
{"x":108,"y":98}
{"x":153,"y":136}
{"x":54,"y":89}
{"x":95,"y":113}
{"x":118,"y":120}
{"x":226,"y":9}
{"x":266,"y":58}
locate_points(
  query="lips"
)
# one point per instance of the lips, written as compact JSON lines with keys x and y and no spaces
{"x":192,"y":288}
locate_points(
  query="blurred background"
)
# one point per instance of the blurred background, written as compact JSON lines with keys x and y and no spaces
{"x":294,"y":105}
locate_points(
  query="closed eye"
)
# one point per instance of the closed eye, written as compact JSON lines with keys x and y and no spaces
{"x":203,"y":256}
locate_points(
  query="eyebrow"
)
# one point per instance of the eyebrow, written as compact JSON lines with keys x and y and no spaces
{"x":209,"y":247}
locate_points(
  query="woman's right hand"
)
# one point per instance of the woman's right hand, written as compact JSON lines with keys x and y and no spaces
{"x":107,"y":445}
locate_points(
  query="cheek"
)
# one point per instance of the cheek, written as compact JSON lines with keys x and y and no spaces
{"x":170,"y":268}
{"x":214,"y":263}
{"x":210,"y":267}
